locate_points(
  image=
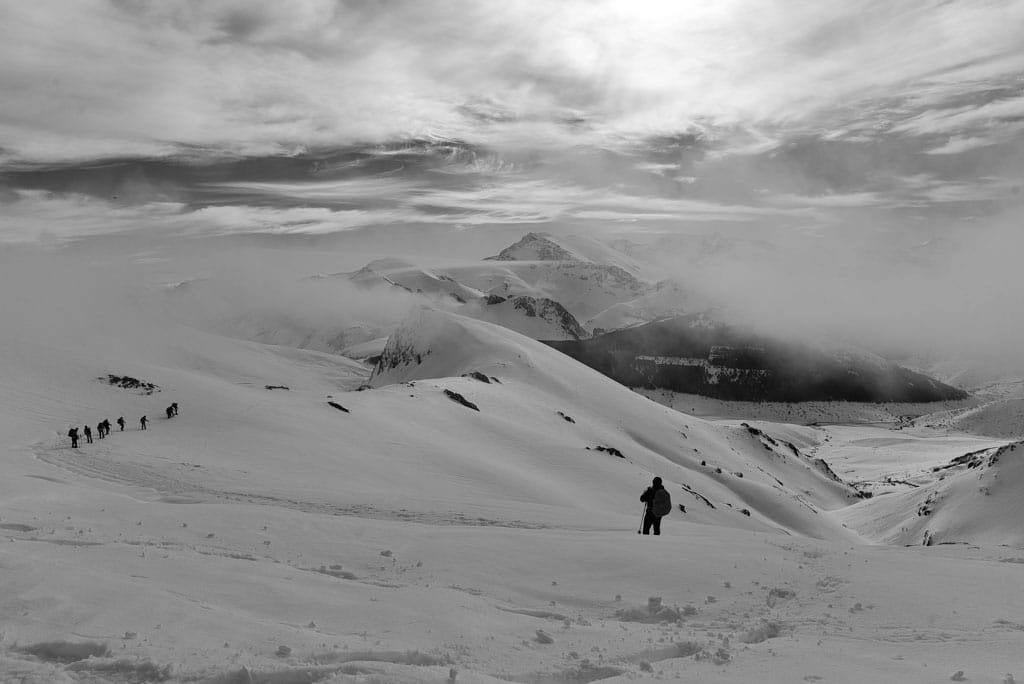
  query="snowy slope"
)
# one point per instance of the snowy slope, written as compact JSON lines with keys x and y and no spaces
{"x":975,"y":499}
{"x":998,"y":418}
{"x":414,"y":280}
{"x":741,"y":471}
{"x":667,"y":298}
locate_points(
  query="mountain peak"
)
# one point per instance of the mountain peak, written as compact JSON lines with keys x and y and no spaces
{"x":536,"y":247}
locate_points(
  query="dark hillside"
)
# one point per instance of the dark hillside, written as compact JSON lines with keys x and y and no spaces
{"x":694,"y":354}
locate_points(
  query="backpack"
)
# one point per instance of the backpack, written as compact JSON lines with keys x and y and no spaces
{"x":661,"y":504}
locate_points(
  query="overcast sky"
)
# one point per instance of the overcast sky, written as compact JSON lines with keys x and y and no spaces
{"x":329,"y":115}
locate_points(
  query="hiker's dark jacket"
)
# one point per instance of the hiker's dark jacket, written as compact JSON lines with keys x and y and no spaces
{"x":648,"y":496}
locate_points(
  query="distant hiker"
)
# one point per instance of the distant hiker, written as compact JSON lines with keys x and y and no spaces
{"x":170,"y":412}
{"x":88,"y":434}
{"x":659,"y":504}
{"x":120,"y":423}
{"x":73,"y":434}
{"x":175,"y":407}
{"x":99,"y":430}
{"x":106,"y":427}
{"x":142,"y":423}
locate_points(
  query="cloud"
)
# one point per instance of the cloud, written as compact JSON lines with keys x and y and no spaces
{"x":109,"y":78}
{"x":35,"y":216}
{"x":854,"y":199}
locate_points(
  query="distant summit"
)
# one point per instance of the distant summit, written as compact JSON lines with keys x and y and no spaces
{"x":536,"y":247}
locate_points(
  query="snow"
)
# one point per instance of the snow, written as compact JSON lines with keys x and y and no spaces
{"x":264,"y":534}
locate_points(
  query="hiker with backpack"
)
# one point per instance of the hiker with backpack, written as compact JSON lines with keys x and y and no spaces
{"x":170,"y":412}
{"x":120,"y":423}
{"x":142,"y":423}
{"x":73,"y":434}
{"x":658,"y":505}
{"x":88,"y":434}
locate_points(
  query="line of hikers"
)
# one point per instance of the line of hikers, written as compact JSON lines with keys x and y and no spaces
{"x":103,"y":428}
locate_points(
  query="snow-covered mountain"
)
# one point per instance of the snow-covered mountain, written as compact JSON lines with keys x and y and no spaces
{"x":543,"y":297}
{"x":547,"y":247}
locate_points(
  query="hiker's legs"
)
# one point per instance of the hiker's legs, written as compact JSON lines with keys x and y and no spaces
{"x":649,"y":520}
{"x":657,"y":524}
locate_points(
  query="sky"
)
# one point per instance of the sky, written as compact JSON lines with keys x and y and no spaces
{"x":860,"y":135}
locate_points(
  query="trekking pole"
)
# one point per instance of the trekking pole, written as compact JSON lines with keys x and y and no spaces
{"x":639,"y":530}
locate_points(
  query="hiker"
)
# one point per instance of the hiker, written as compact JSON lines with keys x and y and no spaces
{"x":106,"y":427}
{"x":99,"y":430}
{"x":88,"y":434}
{"x":73,"y":434}
{"x":659,"y":504}
{"x":170,"y":412}
{"x":175,"y":407}
{"x":142,"y":423}
{"x":120,"y":423}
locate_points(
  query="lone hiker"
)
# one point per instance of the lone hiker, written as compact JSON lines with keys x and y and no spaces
{"x":142,"y":423}
{"x":120,"y":423}
{"x":88,"y":434}
{"x":659,"y":504}
{"x":73,"y":434}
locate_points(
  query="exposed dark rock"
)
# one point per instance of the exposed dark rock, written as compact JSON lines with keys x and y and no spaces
{"x":458,"y":398}
{"x":759,"y":433}
{"x":610,"y":450}
{"x":66,"y":651}
{"x":822,"y":465}
{"x":129,"y":383}
{"x":551,"y":311}
{"x":982,"y":457}
{"x":338,"y":406}
{"x":477,"y":375}
{"x":698,"y":495}
{"x":276,"y":387}
{"x":568,"y":419}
